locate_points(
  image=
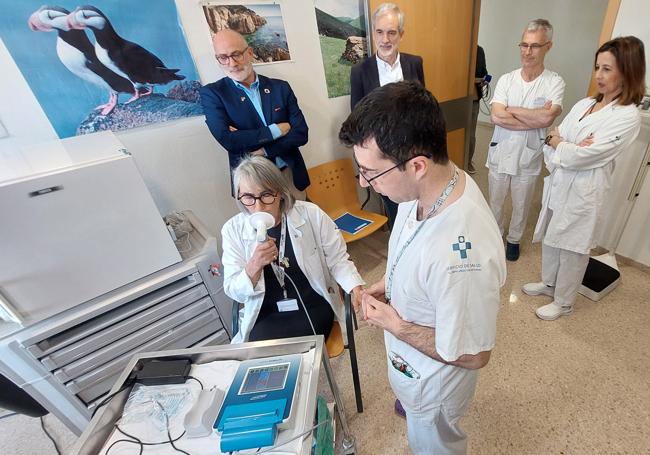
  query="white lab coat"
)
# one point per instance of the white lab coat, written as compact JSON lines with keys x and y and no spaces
{"x":320,"y":252}
{"x":580,"y":176}
{"x":519,"y":152}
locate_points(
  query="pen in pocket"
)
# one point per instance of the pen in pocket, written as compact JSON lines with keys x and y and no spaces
{"x":403,"y":366}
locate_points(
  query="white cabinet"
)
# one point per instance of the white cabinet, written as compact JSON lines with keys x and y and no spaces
{"x":81,"y":228}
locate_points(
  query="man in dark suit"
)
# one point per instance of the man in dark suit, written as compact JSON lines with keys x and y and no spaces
{"x":252,"y":114}
{"x":386,"y":66}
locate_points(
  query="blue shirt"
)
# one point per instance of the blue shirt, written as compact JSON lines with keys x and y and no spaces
{"x":253,"y":94}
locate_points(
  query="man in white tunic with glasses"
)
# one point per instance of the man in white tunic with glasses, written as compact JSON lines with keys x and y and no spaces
{"x":438,"y":300}
{"x":526,"y":101}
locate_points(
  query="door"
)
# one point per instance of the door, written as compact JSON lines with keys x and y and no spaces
{"x":444,"y":33}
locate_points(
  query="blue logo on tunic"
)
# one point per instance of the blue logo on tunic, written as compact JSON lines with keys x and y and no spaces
{"x":462,"y":246}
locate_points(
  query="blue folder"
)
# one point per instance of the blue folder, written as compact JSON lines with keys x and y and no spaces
{"x":350,"y":223}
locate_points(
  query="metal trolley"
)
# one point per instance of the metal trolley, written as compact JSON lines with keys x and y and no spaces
{"x":102,"y":424}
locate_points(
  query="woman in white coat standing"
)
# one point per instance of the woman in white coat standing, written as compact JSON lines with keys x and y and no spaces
{"x":580,"y":155}
{"x":303,"y":246}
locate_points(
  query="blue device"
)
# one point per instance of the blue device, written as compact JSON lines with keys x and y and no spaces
{"x":259,"y":400}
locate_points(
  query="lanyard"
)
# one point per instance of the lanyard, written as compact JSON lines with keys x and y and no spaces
{"x":441,"y":200}
{"x":278,"y":270}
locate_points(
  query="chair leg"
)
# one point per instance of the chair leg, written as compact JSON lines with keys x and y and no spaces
{"x":353,"y":353}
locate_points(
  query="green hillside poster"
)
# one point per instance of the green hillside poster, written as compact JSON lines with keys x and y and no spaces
{"x":342,"y":34}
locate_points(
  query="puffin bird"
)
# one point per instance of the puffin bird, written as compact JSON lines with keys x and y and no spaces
{"x":77,"y":54}
{"x":127,"y":59}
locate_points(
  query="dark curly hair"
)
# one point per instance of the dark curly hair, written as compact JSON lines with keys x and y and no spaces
{"x":403,"y":118}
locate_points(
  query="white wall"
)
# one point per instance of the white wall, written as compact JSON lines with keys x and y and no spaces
{"x":182,"y":165}
{"x":632,"y":19}
{"x":576,"y":24}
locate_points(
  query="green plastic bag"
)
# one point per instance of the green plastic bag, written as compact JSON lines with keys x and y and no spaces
{"x":324,"y":437}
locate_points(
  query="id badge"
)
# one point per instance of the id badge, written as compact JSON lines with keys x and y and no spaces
{"x":287,"y":305}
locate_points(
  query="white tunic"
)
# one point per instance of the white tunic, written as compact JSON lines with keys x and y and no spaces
{"x":580,"y":176}
{"x":520,"y":152}
{"x":448,"y":278}
{"x":320,"y":252}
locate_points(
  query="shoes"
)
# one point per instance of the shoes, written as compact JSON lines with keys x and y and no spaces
{"x":399,"y":410}
{"x":538,"y":289}
{"x":512,"y":251}
{"x":552,"y":311}
{"x":470,"y":168}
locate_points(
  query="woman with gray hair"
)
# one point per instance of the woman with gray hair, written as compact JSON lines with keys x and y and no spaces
{"x":304,"y":245}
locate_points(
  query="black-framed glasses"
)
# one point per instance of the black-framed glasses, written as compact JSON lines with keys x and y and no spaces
{"x":533,"y":46}
{"x":266,"y":198}
{"x":368,"y":180}
{"x":236,"y":56}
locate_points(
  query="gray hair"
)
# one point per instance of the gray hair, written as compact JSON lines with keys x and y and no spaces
{"x":543,"y":24}
{"x":263,"y":173}
{"x":387,"y":8}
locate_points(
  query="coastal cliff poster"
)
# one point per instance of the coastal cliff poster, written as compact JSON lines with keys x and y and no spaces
{"x":104,"y":65}
{"x":342,"y":35}
{"x":262,"y":25}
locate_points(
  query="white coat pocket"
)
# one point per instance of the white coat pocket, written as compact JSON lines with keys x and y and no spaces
{"x":405,"y":382}
{"x":529,"y":157}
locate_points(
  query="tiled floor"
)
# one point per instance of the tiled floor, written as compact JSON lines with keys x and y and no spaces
{"x":578,"y":385}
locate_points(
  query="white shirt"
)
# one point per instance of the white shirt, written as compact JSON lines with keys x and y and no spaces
{"x":520,"y":152}
{"x":389,"y":73}
{"x":320,"y":252}
{"x":579,"y":176}
{"x":448,"y":278}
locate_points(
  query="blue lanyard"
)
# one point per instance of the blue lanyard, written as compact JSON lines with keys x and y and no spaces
{"x":441,"y":200}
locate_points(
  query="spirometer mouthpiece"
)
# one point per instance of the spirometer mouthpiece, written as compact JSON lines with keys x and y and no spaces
{"x":261,"y":221}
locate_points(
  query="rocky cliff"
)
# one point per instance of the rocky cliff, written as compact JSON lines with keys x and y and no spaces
{"x":182,"y":100}
{"x":235,"y":17}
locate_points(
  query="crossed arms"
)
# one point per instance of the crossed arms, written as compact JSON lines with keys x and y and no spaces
{"x":521,"y":118}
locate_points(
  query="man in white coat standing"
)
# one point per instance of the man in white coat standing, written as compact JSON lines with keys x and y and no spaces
{"x":526,"y":101}
{"x":439,"y":298}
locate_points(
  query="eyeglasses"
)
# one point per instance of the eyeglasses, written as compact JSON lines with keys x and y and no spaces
{"x":266,"y":198}
{"x":533,"y":47}
{"x":368,"y":180}
{"x":236,"y":56}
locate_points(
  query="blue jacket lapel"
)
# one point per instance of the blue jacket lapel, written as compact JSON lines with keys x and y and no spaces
{"x":266,"y":97}
{"x":244,"y":104}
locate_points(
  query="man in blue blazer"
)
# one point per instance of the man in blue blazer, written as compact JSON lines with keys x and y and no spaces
{"x":386,"y":66}
{"x":252,"y":114}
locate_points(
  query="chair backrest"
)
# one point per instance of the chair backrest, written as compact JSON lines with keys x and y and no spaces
{"x":333,"y":186}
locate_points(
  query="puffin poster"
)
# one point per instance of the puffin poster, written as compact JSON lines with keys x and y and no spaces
{"x":106,"y":65}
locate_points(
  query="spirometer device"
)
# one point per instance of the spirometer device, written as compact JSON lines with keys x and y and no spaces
{"x":260,"y":400}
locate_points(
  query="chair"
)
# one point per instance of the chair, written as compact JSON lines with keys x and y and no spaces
{"x":334,"y":189}
{"x":334,"y":343}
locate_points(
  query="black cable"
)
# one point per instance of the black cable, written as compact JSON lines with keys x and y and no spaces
{"x":123,"y":440}
{"x":109,"y":398}
{"x":117,"y":427}
{"x":11,"y":414}
{"x":197,"y":380}
{"x":56,"y":447}
{"x":138,"y":441}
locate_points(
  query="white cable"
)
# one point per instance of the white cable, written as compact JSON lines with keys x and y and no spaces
{"x":301,"y":302}
{"x":268,"y":449}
